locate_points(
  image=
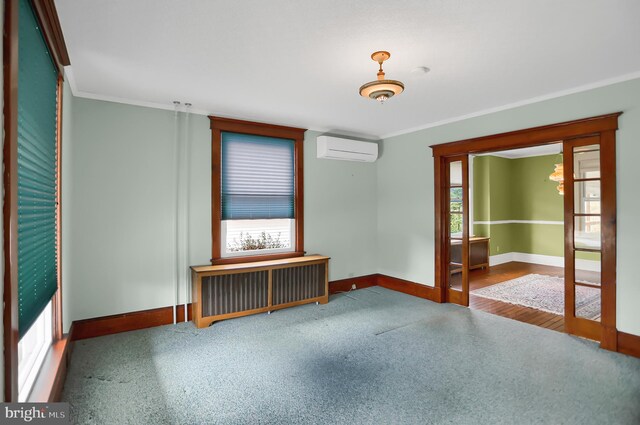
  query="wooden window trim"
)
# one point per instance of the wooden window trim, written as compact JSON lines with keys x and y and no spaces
{"x":50,"y":25}
{"x":218,"y":125}
{"x":47,"y":16}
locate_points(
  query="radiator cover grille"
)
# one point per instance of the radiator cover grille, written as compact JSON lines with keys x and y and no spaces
{"x":232,"y":293}
{"x":298,"y":283}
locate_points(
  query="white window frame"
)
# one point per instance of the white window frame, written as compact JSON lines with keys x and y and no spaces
{"x":29,"y":367}
{"x":232,"y":254}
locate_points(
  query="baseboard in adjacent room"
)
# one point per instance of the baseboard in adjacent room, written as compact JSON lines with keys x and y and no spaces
{"x":545,"y":260}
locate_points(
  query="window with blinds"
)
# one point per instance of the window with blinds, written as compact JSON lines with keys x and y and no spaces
{"x":37,"y":170}
{"x":258,"y":194}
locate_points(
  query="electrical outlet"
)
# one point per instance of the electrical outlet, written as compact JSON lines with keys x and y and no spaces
{"x":498,"y":248}
{"x":353,"y":286}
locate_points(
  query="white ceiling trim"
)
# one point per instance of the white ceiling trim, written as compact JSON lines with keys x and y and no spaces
{"x":555,"y":95}
{"x":68,"y":70}
{"x":154,"y":105}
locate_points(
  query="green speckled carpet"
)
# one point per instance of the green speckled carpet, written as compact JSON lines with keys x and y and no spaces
{"x":371,"y":356}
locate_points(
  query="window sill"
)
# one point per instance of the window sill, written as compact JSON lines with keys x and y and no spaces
{"x":50,"y":380}
{"x":254,"y":258}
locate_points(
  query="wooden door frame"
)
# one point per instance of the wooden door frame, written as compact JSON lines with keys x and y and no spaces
{"x":605,"y":127}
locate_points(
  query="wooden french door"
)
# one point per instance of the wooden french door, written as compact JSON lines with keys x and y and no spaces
{"x":590,"y":237}
{"x":456,"y":213}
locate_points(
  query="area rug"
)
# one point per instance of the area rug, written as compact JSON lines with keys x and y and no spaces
{"x":544,"y":293}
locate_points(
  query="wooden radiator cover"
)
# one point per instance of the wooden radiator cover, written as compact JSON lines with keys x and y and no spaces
{"x":227,"y":291}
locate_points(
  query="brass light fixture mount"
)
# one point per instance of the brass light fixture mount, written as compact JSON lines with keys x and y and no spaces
{"x":381,"y":89}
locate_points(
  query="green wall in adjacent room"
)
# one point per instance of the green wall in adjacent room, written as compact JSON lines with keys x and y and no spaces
{"x":534,"y":196}
{"x":517,"y":189}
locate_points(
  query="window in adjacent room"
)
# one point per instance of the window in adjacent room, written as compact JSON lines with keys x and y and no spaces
{"x":258,"y":213}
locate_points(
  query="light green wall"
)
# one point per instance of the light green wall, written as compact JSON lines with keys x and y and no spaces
{"x":405,"y":185}
{"x":68,"y":113}
{"x":368,"y":217}
{"x":119,"y":211}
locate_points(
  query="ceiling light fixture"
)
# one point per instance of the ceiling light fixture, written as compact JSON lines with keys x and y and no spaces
{"x":381,"y":89}
{"x":558,"y":176}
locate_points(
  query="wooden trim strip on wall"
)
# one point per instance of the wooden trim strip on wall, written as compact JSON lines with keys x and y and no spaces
{"x":628,"y":344}
{"x":345,"y":285}
{"x":393,"y":283}
{"x":117,"y":323}
{"x":101,"y":326}
{"x":430,"y":293}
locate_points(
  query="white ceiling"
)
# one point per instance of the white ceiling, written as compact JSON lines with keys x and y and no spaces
{"x":552,"y":149}
{"x":300,"y":63}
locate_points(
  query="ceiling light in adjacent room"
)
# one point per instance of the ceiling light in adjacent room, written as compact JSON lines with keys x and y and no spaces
{"x":558,"y":176}
{"x":381,"y":89}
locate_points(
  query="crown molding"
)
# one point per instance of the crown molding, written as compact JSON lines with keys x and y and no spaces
{"x":554,"y":95}
{"x":602,"y":83}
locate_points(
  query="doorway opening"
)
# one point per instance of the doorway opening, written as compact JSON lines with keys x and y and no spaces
{"x":525,"y":226}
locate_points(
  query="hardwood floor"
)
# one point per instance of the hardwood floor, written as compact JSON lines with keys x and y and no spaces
{"x":482,"y":278}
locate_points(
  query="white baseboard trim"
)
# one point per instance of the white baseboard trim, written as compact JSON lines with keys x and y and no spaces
{"x":494,"y":260}
{"x":558,"y":223}
{"x":546,"y":260}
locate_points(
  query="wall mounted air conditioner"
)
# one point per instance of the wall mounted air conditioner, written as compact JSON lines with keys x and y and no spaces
{"x":330,"y":147}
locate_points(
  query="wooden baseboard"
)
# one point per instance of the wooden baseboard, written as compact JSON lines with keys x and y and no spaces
{"x":345,"y":285}
{"x":629,"y":344}
{"x":393,"y":283}
{"x":107,"y":325}
{"x":100,"y":326}
{"x":423,"y":291}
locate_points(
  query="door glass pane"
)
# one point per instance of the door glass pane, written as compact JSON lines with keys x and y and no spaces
{"x":455,"y":174}
{"x":587,"y":232}
{"x":588,"y":267}
{"x":455,"y":225}
{"x":588,"y":303}
{"x":586,"y":197}
{"x":455,"y":281}
{"x":586,"y":162}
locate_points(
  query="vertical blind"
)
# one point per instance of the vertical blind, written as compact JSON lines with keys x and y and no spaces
{"x":37,"y":125}
{"x":257,"y":177}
